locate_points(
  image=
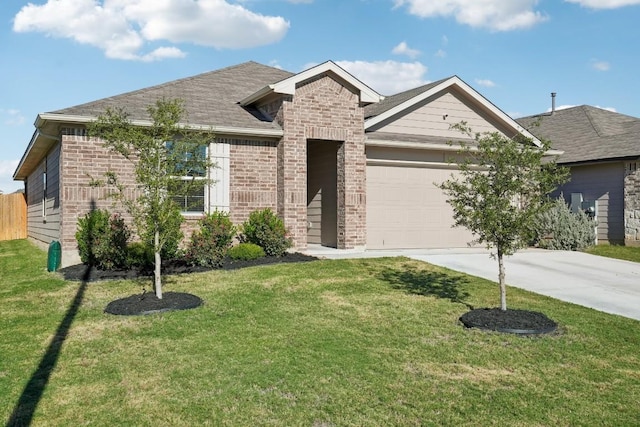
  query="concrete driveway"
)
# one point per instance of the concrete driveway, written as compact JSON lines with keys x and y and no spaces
{"x":605,"y":284}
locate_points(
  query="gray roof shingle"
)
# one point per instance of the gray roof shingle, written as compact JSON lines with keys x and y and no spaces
{"x":587,"y":133}
{"x":210,"y":98}
{"x":392,"y":101}
{"x":213,"y":98}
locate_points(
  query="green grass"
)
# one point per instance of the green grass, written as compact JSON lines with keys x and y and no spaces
{"x":328,"y":343}
{"x":627,"y":253}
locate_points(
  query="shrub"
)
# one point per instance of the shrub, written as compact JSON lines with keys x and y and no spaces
{"x":209,"y":244}
{"x":140,"y":255}
{"x":102,"y":240}
{"x":113,"y":254}
{"x":266,"y":230}
{"x":246,"y":252}
{"x":92,"y":227}
{"x":560,"y":229}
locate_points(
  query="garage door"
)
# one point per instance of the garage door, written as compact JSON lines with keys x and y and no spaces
{"x":406,"y":210}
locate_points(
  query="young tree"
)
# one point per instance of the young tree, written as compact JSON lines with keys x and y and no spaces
{"x":504,"y":185}
{"x":168,"y":160}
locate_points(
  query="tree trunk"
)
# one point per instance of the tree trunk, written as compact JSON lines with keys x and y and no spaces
{"x":503,"y":286}
{"x":157,"y":278}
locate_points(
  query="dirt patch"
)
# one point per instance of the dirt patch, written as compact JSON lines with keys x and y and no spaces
{"x":510,"y":321}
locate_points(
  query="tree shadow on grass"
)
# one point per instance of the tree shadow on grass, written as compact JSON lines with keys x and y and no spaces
{"x":428,"y":283}
{"x":22,"y":414}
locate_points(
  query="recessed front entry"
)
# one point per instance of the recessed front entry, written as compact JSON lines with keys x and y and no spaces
{"x":322,"y":192}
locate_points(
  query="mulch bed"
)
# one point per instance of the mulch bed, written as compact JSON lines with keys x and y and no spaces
{"x":511,"y":321}
{"x":521,"y":322}
{"x":79,"y":272}
{"x":147,"y":302}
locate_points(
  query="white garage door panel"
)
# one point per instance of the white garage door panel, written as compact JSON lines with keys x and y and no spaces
{"x":406,"y":210}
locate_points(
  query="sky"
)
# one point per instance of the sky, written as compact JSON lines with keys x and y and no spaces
{"x":60,"y":53}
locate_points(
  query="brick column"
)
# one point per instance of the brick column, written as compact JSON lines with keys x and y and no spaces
{"x":323,"y":109}
{"x":292,"y":178}
{"x":355,"y":170}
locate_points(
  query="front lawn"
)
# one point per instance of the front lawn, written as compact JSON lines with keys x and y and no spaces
{"x":627,"y":253}
{"x":366,"y":342}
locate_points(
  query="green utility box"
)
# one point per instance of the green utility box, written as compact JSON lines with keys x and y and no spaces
{"x":54,"y":257}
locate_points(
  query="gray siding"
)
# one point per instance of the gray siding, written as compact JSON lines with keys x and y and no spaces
{"x":435,"y":116}
{"x":44,"y":224}
{"x":603,"y":182}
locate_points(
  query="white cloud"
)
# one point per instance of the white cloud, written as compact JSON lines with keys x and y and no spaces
{"x":496,"y":15}
{"x":561,"y":107}
{"x":403,"y":49}
{"x":163,"y":53}
{"x":387,"y":77}
{"x":122,"y":28}
{"x":564,"y":107}
{"x":485,"y":83}
{"x":440,"y":53}
{"x":12,"y":117}
{"x":7,"y":168}
{"x":600,"y":65}
{"x":605,"y":4}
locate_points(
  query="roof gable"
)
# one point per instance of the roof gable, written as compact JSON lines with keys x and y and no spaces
{"x":288,"y":85}
{"x":587,"y":133}
{"x":398,"y":105}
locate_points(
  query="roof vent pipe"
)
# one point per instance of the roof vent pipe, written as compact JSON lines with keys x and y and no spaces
{"x":553,"y":102}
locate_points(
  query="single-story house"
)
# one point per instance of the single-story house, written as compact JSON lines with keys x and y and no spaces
{"x":602,"y":150}
{"x":342,"y":165}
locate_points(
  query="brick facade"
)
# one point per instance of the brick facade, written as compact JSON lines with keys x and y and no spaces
{"x":632,"y":203}
{"x":322,"y":109}
{"x":262,"y":173}
{"x":83,"y":159}
{"x":253,"y":176}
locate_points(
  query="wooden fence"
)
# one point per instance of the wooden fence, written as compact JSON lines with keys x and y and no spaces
{"x":13,"y":216}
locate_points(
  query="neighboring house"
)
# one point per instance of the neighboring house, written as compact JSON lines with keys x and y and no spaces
{"x":342,"y":165}
{"x":602,"y":150}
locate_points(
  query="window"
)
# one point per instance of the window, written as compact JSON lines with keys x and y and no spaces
{"x":189,"y":194}
{"x":188,"y":189}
